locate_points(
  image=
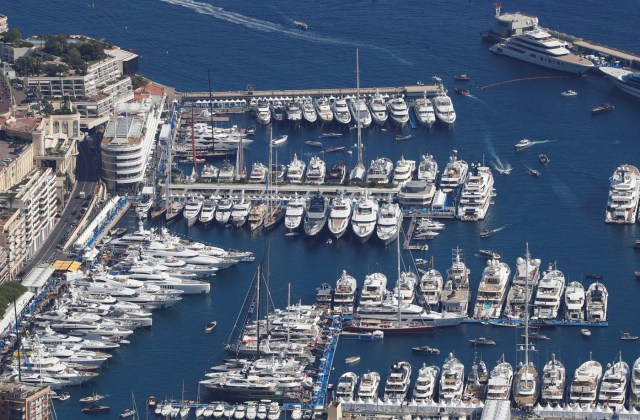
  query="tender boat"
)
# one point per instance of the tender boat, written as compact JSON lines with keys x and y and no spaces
{"x":569,"y":93}
{"x":482,"y":341}
{"x":628,"y":337}
{"x":462,"y":77}
{"x":352,"y":359}
{"x":599,"y":109}
{"x":210,"y":326}
{"x":586,"y":332}
{"x":93,"y":408}
{"x":280,"y":140}
{"x":544,"y":159}
{"x":315,"y":143}
{"x":425,"y":350}
{"x":489,"y":254}
{"x":461,"y":91}
{"x":523,"y":144}
{"x":534,"y":172}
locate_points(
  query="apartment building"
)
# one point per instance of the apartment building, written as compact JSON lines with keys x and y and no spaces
{"x":13,"y":241}
{"x":24,"y":402}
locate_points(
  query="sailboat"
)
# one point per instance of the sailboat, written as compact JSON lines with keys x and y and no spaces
{"x":275,"y":211}
{"x":526,"y":384}
{"x":358,"y":173}
{"x":130,"y":412}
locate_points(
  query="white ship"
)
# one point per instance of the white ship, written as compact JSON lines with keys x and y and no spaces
{"x":597,"y":298}
{"x":339,"y":216}
{"x":309,"y":112}
{"x":258,"y":173}
{"x":316,"y":171}
{"x":323,"y":109}
{"x":428,"y":169}
{"x":398,"y":111}
{"x":207,"y":214}
{"x":549,"y":294}
{"x":364,"y":217}
{"x":360,"y":112}
{"x":634,"y":395}
{"x":455,"y":295}
{"x":584,"y":386}
{"x":223,"y":212}
{"x":426,"y":384}
{"x":397,"y":384}
{"x":527,"y":275}
{"x":574,"y":299}
{"x":613,"y":389}
{"x":389,"y":222}
{"x":294,"y":113}
{"x":294,"y":213}
{"x":444,"y":108}
{"x":341,"y":111}
{"x":227,"y":172}
{"x":295,"y":170}
{"x":262,"y":111}
{"x":403,"y":171}
{"x":369,"y":384}
{"x":492,"y":290}
{"x":345,"y":294}
{"x":500,"y":379}
{"x":539,"y":47}
{"x":346,"y":387}
{"x":553,"y":380}
{"x":451,"y":380}
{"x":240,"y":212}
{"x":624,"y":192}
{"x":316,"y":215}
{"x":405,"y":287}
{"x":192,"y":210}
{"x":431,"y":287}
{"x":143,"y":207}
{"x":378,"y":109}
{"x":425,"y":114}
{"x":374,"y":289}
{"x":625,"y":80}
{"x":380,"y":171}
{"x":476,"y":194}
{"x":455,"y":173}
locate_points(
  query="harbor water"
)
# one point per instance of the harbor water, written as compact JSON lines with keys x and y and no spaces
{"x":560,"y":213}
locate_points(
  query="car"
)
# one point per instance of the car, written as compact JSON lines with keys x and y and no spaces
{"x":73,"y":212}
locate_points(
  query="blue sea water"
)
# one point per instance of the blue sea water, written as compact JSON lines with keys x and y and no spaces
{"x":560,"y":214}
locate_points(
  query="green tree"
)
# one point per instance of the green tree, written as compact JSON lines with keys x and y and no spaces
{"x":12,"y":36}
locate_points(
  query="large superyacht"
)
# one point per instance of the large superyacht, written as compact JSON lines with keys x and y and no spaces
{"x":428,"y":169}
{"x":346,"y":388}
{"x":585,"y":384}
{"x":397,"y":384}
{"x":316,"y":171}
{"x":341,"y":111}
{"x":549,"y":294}
{"x":574,"y":299}
{"x":398,"y":111}
{"x":624,"y":192}
{"x":476,"y":194}
{"x":613,"y":389}
{"x":323,"y":109}
{"x":444,"y":108}
{"x":295,"y":212}
{"x":339,"y":215}
{"x":425,"y":385}
{"x":240,"y":211}
{"x":344,"y":295}
{"x":192,"y":210}
{"x":553,"y":381}
{"x":364,"y":217}
{"x":527,"y":275}
{"x":634,"y":395}
{"x":451,"y":380}
{"x":455,"y":173}
{"x":368,"y":389}
{"x":378,"y":109}
{"x":316,"y":215}
{"x":380,"y":171}
{"x":492,"y":290}
{"x":425,"y":114}
{"x":476,"y":387}
{"x":500,"y":379}
{"x":403,"y":171}
{"x":597,"y":298}
{"x":389,"y":222}
{"x":455,"y":295}
{"x":359,"y":112}
{"x":295,"y":170}
{"x":374,"y":289}
{"x":430,"y":288}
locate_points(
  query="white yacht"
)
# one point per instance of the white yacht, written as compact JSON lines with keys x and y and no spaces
{"x":294,"y":112}
{"x":451,"y":380}
{"x":341,"y":111}
{"x":431,"y":287}
{"x":378,"y":108}
{"x":584,"y":386}
{"x":316,"y":171}
{"x":403,"y":171}
{"x":444,"y":108}
{"x":360,"y":112}
{"x":143,"y":207}
{"x":455,"y":294}
{"x":240,"y":212}
{"x":323,"y":109}
{"x":624,"y":192}
{"x":492,"y":290}
{"x":309,"y":112}
{"x":373,"y":290}
{"x":209,"y":172}
{"x":380,"y":171}
{"x":574,"y":299}
{"x":295,"y":170}
{"x":389,"y":222}
{"x":364,"y":217}
{"x":417,"y":194}
{"x":316,"y":215}
{"x":208,"y":211}
{"x":527,"y":275}
{"x":369,"y":384}
{"x":227,"y":172}
{"x":455,"y":173}
{"x":553,"y":380}
{"x":500,"y":379}
{"x":223,"y":212}
{"x":625,"y":80}
{"x":262,"y":111}
{"x":428,"y":169}
{"x":398,"y":111}
{"x":405,"y":287}
{"x":539,"y":47}
{"x":258,"y":173}
{"x":344,"y":294}
{"x":597,"y":298}
{"x":192,"y":210}
{"x":295,"y":213}
{"x":425,"y":384}
{"x":346,"y":388}
{"x":613,"y":389}
{"x":634,"y":395}
{"x":476,"y":194}
{"x":257,"y":215}
{"x":339,"y":216}
{"x":549,"y":294}
{"x":398,"y":380}
{"x":425,"y":114}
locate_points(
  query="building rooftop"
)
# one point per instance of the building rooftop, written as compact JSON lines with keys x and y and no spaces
{"x":38,"y":277}
{"x":120,"y":54}
{"x":23,"y":125}
{"x":19,"y":390}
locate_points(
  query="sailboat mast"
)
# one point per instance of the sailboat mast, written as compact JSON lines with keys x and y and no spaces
{"x":288,"y":310}
{"x":193,"y":143}
{"x":398,"y":252}
{"x":211,"y":109}
{"x":258,"y":280}
{"x":360,"y":159}
{"x":270,"y":171}
{"x":526,"y":308}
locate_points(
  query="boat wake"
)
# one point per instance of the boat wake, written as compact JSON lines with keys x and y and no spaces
{"x":266,"y":26}
{"x":541,"y":141}
{"x":504,"y":169}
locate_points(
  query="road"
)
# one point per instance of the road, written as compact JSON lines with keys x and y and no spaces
{"x":87,"y":175}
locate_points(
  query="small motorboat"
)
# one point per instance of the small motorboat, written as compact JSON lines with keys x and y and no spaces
{"x":569,"y":93}
{"x":534,"y":172}
{"x":280,"y":140}
{"x":637,"y":274}
{"x":251,"y":130}
{"x":420,"y":83}
{"x":425,"y":350}
{"x":544,"y":159}
{"x":313,"y":143}
{"x":330,"y":134}
{"x":334,"y":149}
{"x":636,"y":244}
{"x":585,"y":332}
{"x":485,"y":233}
{"x":489,"y":254}
{"x":352,"y":359}
{"x":127,"y":413}
{"x":594,"y":276}
{"x":482,"y":341}
{"x":401,"y":137}
{"x":301,"y":25}
{"x":210,"y":326}
{"x":602,"y":108}
{"x":462,"y":77}
{"x":95,"y":409}
{"x":504,"y":171}
{"x":628,"y":337}
{"x":63,"y":396}
{"x":463,"y":92}
{"x":93,"y":398}
{"x":523,"y":144}
{"x":538,"y":336}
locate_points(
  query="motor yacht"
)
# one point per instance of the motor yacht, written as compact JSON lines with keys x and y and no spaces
{"x":389,"y":222}
{"x":425,"y":114}
{"x":476,"y":388}
{"x":344,"y":294}
{"x":378,"y":108}
{"x":258,"y":173}
{"x":192,"y":210}
{"x":294,"y":214}
{"x":425,"y":385}
{"x":294,"y":113}
{"x":360,"y":113}
{"x":316,"y":215}
{"x":339,"y":215}
{"x":174,"y":209}
{"x":208,"y":211}
{"x":500,"y":379}
{"x":634,"y":394}
{"x":209,"y":173}
{"x":584,"y":385}
{"x":403,"y":171}
{"x":398,"y":111}
{"x":223,"y":212}
{"x":527,"y":275}
{"x":537,"y":46}
{"x":553,"y":381}
{"x":549,"y":294}
{"x":364,"y":217}
{"x":430,"y":287}
{"x":337,"y":174}
{"x":455,"y":173}
{"x":262,"y":111}
{"x":323,"y":109}
{"x":443,"y":108}
{"x":240,"y":212}
{"x":257,"y":214}
{"x":398,"y":380}
{"x":574,"y":299}
{"x":492,"y":290}
{"x":309,"y":112}
{"x":278,"y":111}
{"x":476,"y":195}
{"x":626,"y":80}
{"x":143,"y":207}
{"x":380,"y":171}
{"x":613,"y":389}
{"x":341,"y":111}
{"x":451,"y":380}
{"x":428,"y":168}
{"x":295,"y":170}
{"x":368,"y":389}
{"x":346,"y":388}
{"x":405,"y":288}
{"x":624,"y":192}
{"x":597,"y":298}
{"x":374,"y":289}
{"x":316,"y":171}
{"x":455,"y":295}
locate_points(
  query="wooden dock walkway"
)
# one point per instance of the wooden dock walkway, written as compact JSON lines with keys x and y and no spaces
{"x":407,"y":238}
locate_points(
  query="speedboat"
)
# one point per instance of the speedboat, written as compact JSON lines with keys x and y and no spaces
{"x":360,"y":112}
{"x":462,"y":77}
{"x":461,"y":91}
{"x":294,"y":213}
{"x":403,"y":171}
{"x":398,"y":111}
{"x":339,"y":216}
{"x":316,"y":215}
{"x":295,"y":170}
{"x":389,"y":222}
{"x":569,"y":93}
{"x":425,"y":114}
{"x":444,"y":108}
{"x":523,"y":144}
{"x":323,"y":109}
{"x":341,"y":111}
{"x":192,"y":210}
{"x":428,"y":168}
{"x":316,"y":171}
{"x":364,"y":217}
{"x":280,"y":140}
{"x":378,"y":109}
